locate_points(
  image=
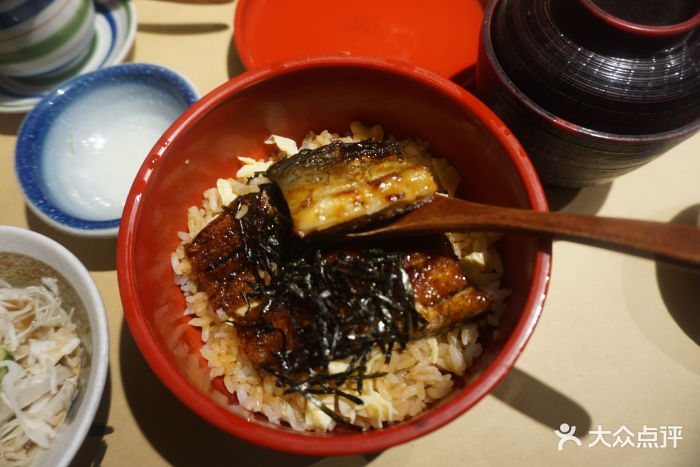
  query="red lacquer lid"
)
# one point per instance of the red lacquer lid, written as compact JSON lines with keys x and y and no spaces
{"x":440,"y":36}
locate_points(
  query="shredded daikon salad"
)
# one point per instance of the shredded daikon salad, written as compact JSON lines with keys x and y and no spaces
{"x":39,"y":367}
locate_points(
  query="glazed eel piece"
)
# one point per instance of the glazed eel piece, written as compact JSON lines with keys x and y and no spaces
{"x":298,"y":306}
{"x":342,"y":185}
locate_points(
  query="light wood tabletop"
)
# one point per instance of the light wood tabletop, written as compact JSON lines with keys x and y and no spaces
{"x":617,"y":345}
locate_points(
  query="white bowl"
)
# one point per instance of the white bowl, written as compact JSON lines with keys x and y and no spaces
{"x":26,"y":257}
{"x":79,"y":149}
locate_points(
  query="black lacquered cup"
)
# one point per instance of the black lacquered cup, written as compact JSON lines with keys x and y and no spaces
{"x":592,"y":88}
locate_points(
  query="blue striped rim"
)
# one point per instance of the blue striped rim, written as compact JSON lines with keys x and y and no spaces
{"x":103,"y":10}
{"x":22,"y":12}
{"x":61,"y":73}
{"x":53,"y":70}
{"x":100,"y":9}
{"x":59,"y":42}
{"x":7,"y":92}
{"x":12,"y":99}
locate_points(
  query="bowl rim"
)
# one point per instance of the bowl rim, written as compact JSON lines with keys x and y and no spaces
{"x":37,"y":123}
{"x":30,"y":243}
{"x":642,"y":29}
{"x":492,"y":59}
{"x":297,"y":442}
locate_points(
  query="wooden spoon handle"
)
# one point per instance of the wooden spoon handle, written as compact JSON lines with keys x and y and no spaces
{"x":671,"y":242}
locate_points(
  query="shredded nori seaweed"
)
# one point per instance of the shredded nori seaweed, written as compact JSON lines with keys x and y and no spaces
{"x":344,"y":304}
{"x":341,"y":304}
{"x":341,"y":307}
{"x":265,"y":236}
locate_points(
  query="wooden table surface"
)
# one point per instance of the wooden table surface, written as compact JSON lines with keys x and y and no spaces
{"x":617,"y":345}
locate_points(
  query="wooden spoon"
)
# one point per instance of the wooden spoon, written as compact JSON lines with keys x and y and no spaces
{"x":671,"y":242}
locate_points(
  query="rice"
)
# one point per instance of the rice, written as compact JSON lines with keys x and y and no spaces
{"x":415,"y":378}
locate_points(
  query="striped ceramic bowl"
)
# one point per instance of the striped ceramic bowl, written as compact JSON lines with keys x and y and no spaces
{"x":44,"y":37}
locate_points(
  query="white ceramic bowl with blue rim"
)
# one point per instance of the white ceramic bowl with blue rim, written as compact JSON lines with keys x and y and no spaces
{"x":26,"y":257}
{"x":79,"y":149}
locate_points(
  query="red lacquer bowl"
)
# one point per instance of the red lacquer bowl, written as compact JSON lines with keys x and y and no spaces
{"x":289,"y":98}
{"x":442,"y":37}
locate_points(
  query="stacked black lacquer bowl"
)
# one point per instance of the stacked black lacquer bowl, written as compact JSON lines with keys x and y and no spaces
{"x":592,"y":88}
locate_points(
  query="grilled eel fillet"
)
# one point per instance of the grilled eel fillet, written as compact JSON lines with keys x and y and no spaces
{"x":341,"y":185}
{"x":233,"y":259}
{"x":234,"y":253}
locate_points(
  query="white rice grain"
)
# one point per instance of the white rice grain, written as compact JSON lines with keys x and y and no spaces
{"x":415,"y":378}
